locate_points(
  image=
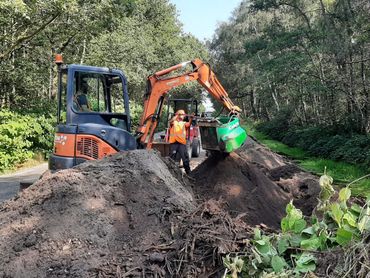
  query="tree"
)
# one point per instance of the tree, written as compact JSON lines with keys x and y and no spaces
{"x":301,"y":55}
{"x":137,"y":36}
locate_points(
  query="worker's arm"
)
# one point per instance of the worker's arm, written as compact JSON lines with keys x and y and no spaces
{"x":188,"y":124}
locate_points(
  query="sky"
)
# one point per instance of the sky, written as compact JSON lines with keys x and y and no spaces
{"x":200,"y":17}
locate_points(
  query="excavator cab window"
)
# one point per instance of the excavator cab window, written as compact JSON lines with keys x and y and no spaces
{"x":99,"y":93}
{"x":90,"y":92}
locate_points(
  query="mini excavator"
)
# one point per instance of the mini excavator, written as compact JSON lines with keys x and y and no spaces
{"x":93,"y":116}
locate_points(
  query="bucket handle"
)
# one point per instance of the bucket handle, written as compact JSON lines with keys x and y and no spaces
{"x":232,"y":116}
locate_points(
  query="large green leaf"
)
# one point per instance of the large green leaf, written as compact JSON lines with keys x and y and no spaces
{"x":343,"y":236}
{"x":355,"y":208}
{"x":295,"y":240}
{"x":263,"y":247}
{"x":313,"y":243}
{"x":299,"y":226}
{"x":336,"y":213}
{"x":309,"y":230}
{"x":278,"y":263}
{"x":283,"y":245}
{"x":257,"y":234}
{"x":284,"y":224}
{"x":344,"y":194}
{"x":350,"y":219}
{"x":306,"y":262}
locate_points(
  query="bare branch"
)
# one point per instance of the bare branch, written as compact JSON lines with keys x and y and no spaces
{"x":26,"y":38}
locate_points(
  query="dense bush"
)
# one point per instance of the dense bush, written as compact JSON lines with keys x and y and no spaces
{"x":23,"y":135}
{"x":330,"y":142}
{"x":278,"y":127}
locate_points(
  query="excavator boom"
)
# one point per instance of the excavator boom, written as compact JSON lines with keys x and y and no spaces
{"x":159,"y":84}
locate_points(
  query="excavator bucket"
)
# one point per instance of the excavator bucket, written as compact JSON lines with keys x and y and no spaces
{"x":222,"y":134}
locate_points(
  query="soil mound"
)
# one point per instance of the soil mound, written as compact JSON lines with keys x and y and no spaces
{"x":256,"y":182}
{"x":100,"y":218}
{"x":244,"y":187}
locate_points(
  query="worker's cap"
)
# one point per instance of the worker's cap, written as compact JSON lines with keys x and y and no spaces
{"x":180,"y":112}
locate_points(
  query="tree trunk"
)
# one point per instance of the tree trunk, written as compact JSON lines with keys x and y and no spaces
{"x":51,"y":76}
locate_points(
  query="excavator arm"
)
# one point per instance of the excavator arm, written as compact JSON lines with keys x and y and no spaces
{"x":159,"y":85}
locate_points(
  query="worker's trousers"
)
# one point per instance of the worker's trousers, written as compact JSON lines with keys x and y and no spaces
{"x":179,"y":151}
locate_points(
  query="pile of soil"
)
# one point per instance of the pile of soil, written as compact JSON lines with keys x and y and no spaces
{"x":100,"y":218}
{"x":257,"y":183}
{"x":136,"y":215}
{"x":302,"y":187}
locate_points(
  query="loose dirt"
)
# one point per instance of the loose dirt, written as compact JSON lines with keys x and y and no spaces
{"x":257,"y":183}
{"x":86,"y":221}
{"x":136,"y":215}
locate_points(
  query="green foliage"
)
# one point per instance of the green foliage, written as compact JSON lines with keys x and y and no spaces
{"x":23,"y":135}
{"x":139,"y":37}
{"x":136,"y":111}
{"x":342,"y":171}
{"x":291,"y":253}
{"x":322,"y":141}
{"x":299,"y":55}
{"x":148,"y":40}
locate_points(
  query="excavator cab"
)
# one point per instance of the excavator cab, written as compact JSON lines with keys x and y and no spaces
{"x":93,"y":117}
{"x":188,"y":105}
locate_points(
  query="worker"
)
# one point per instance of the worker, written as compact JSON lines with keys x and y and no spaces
{"x":177,"y":138}
{"x":81,"y":98}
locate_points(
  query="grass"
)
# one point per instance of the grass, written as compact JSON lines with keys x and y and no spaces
{"x":342,"y":172}
{"x":37,"y":159}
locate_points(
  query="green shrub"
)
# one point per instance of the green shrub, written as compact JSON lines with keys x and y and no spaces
{"x":331,"y":142}
{"x":327,"y":146}
{"x":276,"y":128}
{"x":22,"y":135}
{"x":136,"y":110}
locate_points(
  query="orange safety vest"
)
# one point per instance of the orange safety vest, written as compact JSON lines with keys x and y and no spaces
{"x":178,"y":132}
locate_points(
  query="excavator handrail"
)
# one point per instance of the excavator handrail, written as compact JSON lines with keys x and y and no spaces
{"x":158,"y":88}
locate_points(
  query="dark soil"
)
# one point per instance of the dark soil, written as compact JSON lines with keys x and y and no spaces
{"x":256,"y":187}
{"x":244,"y":188}
{"x":100,"y":218}
{"x":136,"y":215}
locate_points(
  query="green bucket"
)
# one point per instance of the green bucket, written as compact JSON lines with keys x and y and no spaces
{"x":222,"y":134}
{"x":230,"y":135}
